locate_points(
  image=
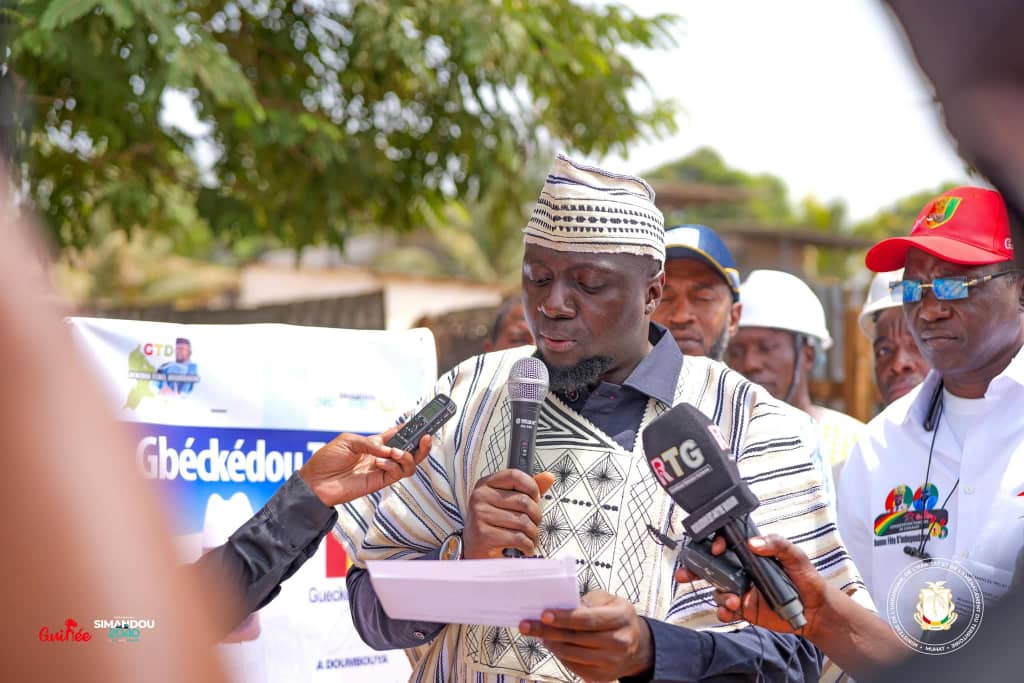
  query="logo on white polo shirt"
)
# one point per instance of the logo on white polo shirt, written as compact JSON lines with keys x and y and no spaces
{"x":935,"y":606}
{"x":910,"y":515}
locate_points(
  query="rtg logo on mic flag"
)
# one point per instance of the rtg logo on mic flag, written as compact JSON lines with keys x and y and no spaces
{"x":935,"y":606}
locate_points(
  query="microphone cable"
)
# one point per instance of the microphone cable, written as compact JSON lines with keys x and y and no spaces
{"x":932,"y":422}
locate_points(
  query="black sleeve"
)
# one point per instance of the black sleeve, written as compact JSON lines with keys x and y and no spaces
{"x":682,"y":655}
{"x":268,"y":548}
{"x":374,"y":626}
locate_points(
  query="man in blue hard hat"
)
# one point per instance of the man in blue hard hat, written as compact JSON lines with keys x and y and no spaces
{"x":701,"y":301}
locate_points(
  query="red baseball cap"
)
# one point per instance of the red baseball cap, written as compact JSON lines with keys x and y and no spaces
{"x":967,"y":225}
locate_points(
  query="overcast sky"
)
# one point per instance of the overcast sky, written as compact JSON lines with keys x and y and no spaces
{"x":822,"y":94}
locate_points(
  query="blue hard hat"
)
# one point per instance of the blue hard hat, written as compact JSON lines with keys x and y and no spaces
{"x":701,"y":243}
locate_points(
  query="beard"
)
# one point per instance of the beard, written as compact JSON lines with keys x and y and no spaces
{"x":585,"y":374}
{"x":717,"y":350}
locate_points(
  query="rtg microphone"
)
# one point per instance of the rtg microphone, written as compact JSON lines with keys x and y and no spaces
{"x":527,"y":389}
{"x":691,"y":460}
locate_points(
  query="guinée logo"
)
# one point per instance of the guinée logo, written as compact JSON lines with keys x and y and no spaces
{"x":70,"y":633}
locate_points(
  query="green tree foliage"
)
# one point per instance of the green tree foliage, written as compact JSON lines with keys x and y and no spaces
{"x":480,"y":241}
{"x":326,"y":116}
{"x":767,"y":202}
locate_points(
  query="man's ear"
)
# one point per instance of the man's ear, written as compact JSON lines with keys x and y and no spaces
{"x":810,"y":353}
{"x":655,"y":289}
{"x":735,"y":312}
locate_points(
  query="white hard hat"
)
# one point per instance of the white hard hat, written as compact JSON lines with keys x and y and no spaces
{"x":782,"y":301}
{"x":879,"y":298}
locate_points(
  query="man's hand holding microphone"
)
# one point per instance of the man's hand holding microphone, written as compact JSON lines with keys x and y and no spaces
{"x":504,"y":512}
{"x":601,"y":640}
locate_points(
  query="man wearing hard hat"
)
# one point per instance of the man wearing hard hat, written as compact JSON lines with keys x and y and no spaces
{"x":782,"y":335}
{"x":899,"y":366}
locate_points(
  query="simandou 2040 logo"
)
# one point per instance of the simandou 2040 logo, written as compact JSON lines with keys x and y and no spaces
{"x":123,"y":629}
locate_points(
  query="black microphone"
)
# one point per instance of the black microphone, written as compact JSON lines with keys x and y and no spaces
{"x":527,"y":389}
{"x":691,"y":460}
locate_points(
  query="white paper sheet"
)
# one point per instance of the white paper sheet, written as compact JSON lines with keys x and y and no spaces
{"x":499,"y":592}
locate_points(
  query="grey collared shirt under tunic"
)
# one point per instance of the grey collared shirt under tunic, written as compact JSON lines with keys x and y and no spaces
{"x":288,"y":529}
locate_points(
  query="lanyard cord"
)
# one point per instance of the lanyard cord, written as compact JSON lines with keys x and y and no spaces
{"x":920,"y":553}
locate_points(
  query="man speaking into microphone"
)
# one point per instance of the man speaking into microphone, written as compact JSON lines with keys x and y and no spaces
{"x":592,"y":277}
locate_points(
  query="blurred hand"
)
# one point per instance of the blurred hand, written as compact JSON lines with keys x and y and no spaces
{"x":602,"y":640}
{"x":752,"y":606}
{"x":353,"y":466}
{"x":504,"y":512}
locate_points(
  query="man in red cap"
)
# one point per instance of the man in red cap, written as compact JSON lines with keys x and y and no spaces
{"x":939,"y":475}
{"x":931,"y":501}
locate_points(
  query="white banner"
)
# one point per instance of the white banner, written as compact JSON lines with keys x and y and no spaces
{"x":224,"y":414}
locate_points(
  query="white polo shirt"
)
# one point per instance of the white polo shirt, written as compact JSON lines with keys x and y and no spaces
{"x":882,"y":507}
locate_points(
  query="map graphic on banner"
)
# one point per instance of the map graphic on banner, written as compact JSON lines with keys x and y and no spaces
{"x":223,"y":415}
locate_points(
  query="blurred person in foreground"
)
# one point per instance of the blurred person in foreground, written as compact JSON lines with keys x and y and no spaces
{"x":781,"y":339}
{"x":898,"y":363}
{"x":509,"y":329}
{"x":83,"y":536}
{"x":700,"y":305}
{"x":940,"y":470}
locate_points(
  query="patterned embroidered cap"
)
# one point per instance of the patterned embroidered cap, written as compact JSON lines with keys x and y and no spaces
{"x":587,"y":209}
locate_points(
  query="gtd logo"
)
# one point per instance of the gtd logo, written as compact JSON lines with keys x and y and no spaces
{"x":675,"y":462}
{"x":165,"y":350}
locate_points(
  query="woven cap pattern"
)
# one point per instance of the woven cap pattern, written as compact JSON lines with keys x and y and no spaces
{"x":590,"y":210}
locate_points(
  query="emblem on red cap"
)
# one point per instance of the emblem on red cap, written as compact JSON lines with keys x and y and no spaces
{"x":942,"y":210}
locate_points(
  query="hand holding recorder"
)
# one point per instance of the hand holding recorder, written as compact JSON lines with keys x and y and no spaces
{"x":352,"y":466}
